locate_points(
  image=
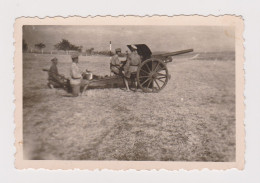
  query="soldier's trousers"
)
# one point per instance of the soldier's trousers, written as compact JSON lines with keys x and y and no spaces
{"x":75,"y":89}
{"x":78,"y":88}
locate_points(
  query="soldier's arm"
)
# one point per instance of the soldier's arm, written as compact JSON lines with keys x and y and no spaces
{"x":53,"y":72}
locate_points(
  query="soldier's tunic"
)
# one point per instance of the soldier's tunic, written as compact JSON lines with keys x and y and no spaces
{"x":75,"y":79}
{"x":115,"y":64}
{"x":75,"y":74}
{"x":53,"y":76}
{"x":132,"y":63}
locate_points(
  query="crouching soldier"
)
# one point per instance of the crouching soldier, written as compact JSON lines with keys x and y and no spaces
{"x":78,"y":85}
{"x":115,"y":64}
{"x":54,"y":78}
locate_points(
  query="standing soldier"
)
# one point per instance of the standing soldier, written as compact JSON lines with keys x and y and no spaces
{"x":76,"y":81}
{"x":131,"y":66}
{"x":115,"y":64}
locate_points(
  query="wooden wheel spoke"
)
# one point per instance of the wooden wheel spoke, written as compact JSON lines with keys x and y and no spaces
{"x":161,"y":69}
{"x":148,"y":67}
{"x":144,"y":71}
{"x":159,"y":79}
{"x":156,"y":67}
{"x":149,"y":83}
{"x":157,"y":84}
{"x":160,"y":74}
{"x":145,"y":81}
{"x":153,"y":65}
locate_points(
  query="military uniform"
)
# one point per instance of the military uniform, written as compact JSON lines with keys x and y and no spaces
{"x":132,"y":63}
{"x":54,"y":79}
{"x":76,"y":81}
{"x":75,"y":74}
{"x":115,"y":65}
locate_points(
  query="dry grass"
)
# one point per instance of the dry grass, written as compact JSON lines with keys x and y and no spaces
{"x":191,"y":119}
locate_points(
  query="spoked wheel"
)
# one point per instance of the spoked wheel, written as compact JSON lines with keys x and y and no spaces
{"x":152,"y":75}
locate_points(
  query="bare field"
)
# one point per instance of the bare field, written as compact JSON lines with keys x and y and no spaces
{"x":191,"y":119}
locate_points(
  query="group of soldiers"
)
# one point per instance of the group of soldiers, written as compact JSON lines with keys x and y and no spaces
{"x":78,"y":85}
{"x":128,"y":69}
{"x":76,"y":82}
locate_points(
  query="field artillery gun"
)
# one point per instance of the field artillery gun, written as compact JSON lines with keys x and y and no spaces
{"x":152,"y":74}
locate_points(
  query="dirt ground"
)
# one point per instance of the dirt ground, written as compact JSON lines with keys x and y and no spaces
{"x":191,"y":119}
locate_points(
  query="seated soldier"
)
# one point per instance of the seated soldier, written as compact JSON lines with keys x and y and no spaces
{"x":54,"y":78}
{"x":131,"y":66}
{"x":115,"y":64}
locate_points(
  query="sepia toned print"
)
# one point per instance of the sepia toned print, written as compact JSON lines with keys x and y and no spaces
{"x":129,"y":92}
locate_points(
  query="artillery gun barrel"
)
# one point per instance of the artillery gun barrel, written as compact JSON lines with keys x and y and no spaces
{"x":175,"y":53}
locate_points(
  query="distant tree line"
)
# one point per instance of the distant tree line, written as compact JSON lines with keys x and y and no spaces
{"x":66,"y":46}
{"x":40,"y":46}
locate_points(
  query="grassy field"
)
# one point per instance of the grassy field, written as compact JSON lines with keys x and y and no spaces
{"x":191,"y":119}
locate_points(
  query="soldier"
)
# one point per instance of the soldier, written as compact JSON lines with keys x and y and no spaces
{"x":54,"y":79}
{"x":78,"y":85}
{"x":131,"y":66}
{"x":115,"y":64}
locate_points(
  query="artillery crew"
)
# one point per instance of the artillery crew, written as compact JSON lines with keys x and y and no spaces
{"x":115,"y":64}
{"x":148,"y":76}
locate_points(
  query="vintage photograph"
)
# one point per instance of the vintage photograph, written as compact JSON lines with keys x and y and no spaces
{"x":129,"y":92}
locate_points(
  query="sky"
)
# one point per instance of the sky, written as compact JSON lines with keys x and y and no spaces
{"x":157,"y":38}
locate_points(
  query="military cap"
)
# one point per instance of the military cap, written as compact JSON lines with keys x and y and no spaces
{"x":54,"y":59}
{"x":118,"y":50}
{"x":134,"y":47}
